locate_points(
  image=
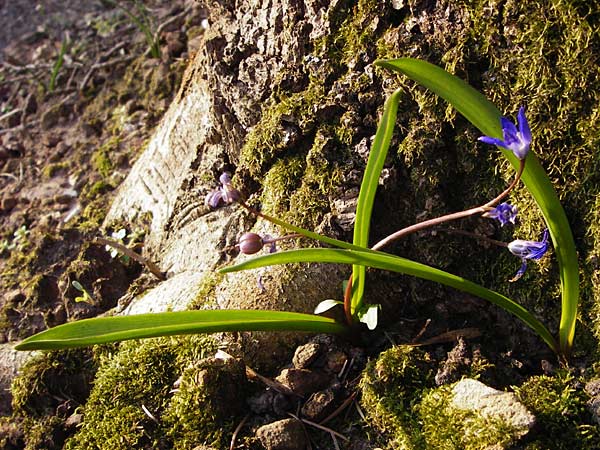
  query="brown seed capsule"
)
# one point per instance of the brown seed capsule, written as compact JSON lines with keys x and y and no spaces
{"x":250,"y":243}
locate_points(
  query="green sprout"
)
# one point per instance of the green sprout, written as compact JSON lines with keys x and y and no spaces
{"x":85,"y":297}
{"x":143,"y":22}
{"x":58,"y":64}
{"x":482,"y":114}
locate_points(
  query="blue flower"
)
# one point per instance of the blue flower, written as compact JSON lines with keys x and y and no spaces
{"x":528,"y":250}
{"x":516,"y":140}
{"x":224,"y":195}
{"x":503,"y":213}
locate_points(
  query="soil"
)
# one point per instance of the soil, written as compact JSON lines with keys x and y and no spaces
{"x":66,"y":143}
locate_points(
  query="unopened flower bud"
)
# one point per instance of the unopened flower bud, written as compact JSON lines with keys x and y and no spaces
{"x":251,"y":243}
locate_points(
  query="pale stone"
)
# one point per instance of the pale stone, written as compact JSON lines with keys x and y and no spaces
{"x":473,"y":395}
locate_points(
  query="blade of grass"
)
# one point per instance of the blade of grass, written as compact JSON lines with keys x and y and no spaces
{"x":486,"y":117}
{"x":58,"y":64}
{"x":112,"y":329}
{"x":380,"y":260}
{"x":366,"y":197}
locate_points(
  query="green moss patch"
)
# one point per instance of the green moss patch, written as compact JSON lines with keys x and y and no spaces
{"x":559,"y":404}
{"x":133,"y":388}
{"x":391,"y":391}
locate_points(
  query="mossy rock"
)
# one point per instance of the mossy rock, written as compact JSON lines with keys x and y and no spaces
{"x":444,"y":426}
{"x":132,"y":387}
{"x":392,"y":387}
{"x":559,"y":403}
{"x":209,"y":398}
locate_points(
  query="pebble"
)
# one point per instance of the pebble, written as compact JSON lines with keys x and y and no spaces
{"x":319,"y":405}
{"x":8,"y":203}
{"x":303,"y":382}
{"x":286,"y":434}
{"x":473,"y":395}
{"x":305,"y":355}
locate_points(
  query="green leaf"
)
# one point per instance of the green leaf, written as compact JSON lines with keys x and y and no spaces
{"x":485,"y":116}
{"x":368,"y":187}
{"x":112,"y":329}
{"x":381,"y":260}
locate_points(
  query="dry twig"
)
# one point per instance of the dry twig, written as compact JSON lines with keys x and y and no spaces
{"x":153,"y":268}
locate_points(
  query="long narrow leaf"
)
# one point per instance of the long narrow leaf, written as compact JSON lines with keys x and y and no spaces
{"x":393,"y":263}
{"x":366,"y":197}
{"x":112,"y":329}
{"x":485,"y":116}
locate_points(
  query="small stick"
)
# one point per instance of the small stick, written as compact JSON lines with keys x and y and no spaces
{"x":320,"y":427}
{"x":148,"y":413}
{"x":275,"y":385}
{"x":449,"y":336}
{"x":14,"y":112}
{"x":422,"y":332}
{"x":237,"y":430}
{"x":153,"y":268}
{"x":339,"y":409}
{"x":335,"y":442}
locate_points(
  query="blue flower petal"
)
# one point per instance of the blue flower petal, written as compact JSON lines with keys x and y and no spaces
{"x":520,"y":272}
{"x":492,"y":141}
{"x":509,"y":128}
{"x":524,"y":126}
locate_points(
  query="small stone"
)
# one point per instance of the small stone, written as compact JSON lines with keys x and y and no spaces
{"x":7,"y":204}
{"x":73,"y":420}
{"x":319,"y":405}
{"x":302,"y":381}
{"x":63,"y":199}
{"x":50,"y":139}
{"x":593,"y":404}
{"x":473,"y":395}
{"x":336,"y":361}
{"x":305,"y":355}
{"x":286,"y":434}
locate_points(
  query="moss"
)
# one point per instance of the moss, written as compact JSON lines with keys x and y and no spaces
{"x":391,"y":389}
{"x":53,"y":169}
{"x":136,"y":374}
{"x":45,"y":433}
{"x":92,"y":216}
{"x":46,"y":383}
{"x":206,"y":403}
{"x":101,"y":161}
{"x":559,"y":404}
{"x":281,"y":181}
{"x":99,"y":188}
{"x":269,"y":136}
{"x":206,"y":291}
{"x":47,"y":374}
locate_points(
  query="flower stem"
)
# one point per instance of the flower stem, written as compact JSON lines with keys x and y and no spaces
{"x":474,"y":235}
{"x":449,"y":217}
